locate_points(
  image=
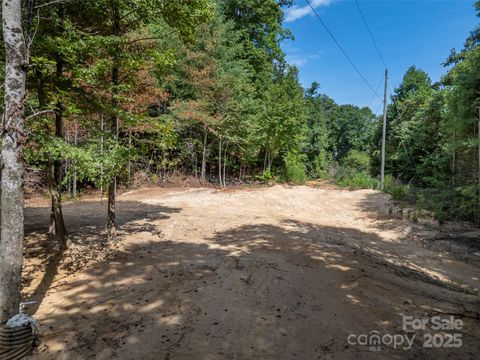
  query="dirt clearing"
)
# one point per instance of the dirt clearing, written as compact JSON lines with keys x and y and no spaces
{"x":270,"y":273}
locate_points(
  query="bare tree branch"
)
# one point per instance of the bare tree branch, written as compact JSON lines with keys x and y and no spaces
{"x":40,"y":113}
{"x":50,"y":3}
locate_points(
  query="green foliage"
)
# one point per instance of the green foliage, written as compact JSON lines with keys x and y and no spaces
{"x":259,"y":24}
{"x":395,"y":188}
{"x":348,"y":177}
{"x":85,"y":161}
{"x":399,"y":191}
{"x":349,"y":128}
{"x":266,"y":176}
{"x":294,"y":169}
{"x":282,"y":129}
{"x":337,"y":133}
{"x":183,"y":15}
{"x":319,"y":167}
{"x":318,"y":156}
{"x":357,"y":160}
{"x":354,"y":171}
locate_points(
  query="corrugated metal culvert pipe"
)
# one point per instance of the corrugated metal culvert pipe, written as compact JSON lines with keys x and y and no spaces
{"x":16,"y":342}
{"x":17,"y":335}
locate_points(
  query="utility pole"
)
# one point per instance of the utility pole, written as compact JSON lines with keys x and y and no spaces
{"x":384,"y":133}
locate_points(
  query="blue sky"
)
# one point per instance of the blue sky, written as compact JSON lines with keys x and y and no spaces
{"x":408,"y":32}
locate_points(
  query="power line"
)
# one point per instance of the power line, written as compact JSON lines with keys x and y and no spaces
{"x":370,"y":33}
{"x":341,"y":48}
{"x":384,"y":128}
{"x":378,"y":107}
{"x":376,"y":90}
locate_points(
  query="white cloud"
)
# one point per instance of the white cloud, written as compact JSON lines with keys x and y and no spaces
{"x":297,"y":12}
{"x":300,"y":60}
{"x":316,"y":56}
{"x":296,"y":60}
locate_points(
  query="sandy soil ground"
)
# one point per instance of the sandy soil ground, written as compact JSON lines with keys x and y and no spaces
{"x":269,"y":273}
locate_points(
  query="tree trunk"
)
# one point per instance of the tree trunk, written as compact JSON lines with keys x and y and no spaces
{"x":42,"y":101}
{"x":56,"y":209}
{"x":111,"y":221}
{"x":204,"y":152}
{"x":265,"y":161}
{"x":129,"y":178}
{"x":195,"y":163}
{"x":57,"y":223}
{"x":12,"y":201}
{"x":56,"y":218}
{"x":220,"y":163}
{"x":52,"y":228}
{"x":101,"y":153}
{"x":112,"y":189}
{"x":74,"y":180}
{"x":269,"y":161}
{"x":225,"y":165}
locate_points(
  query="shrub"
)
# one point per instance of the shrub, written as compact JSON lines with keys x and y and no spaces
{"x":266,"y":176}
{"x":446,"y":203}
{"x":294,"y":169}
{"x":321,"y":165}
{"x":357,"y":161}
{"x":398,"y":190}
{"x":358,"y":180}
{"x":389,"y":183}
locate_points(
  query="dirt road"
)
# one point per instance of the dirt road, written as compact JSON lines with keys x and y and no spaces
{"x":271,"y":273}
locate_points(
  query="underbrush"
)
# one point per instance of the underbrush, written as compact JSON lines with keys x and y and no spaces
{"x":294,"y":171}
{"x":357,"y":180}
{"x":353,"y":172}
{"x":446,"y":203}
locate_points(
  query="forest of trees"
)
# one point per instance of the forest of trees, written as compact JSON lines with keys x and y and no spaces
{"x":118,"y":89}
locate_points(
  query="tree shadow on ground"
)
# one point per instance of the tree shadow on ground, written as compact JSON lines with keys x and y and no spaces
{"x":83,"y":226}
{"x":292,"y":290}
{"x":456,"y":238}
{"x":377,"y":206}
{"x":445,"y":249}
{"x":82,"y":220}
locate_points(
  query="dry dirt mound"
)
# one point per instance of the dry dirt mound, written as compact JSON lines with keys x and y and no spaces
{"x":270,"y":273}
